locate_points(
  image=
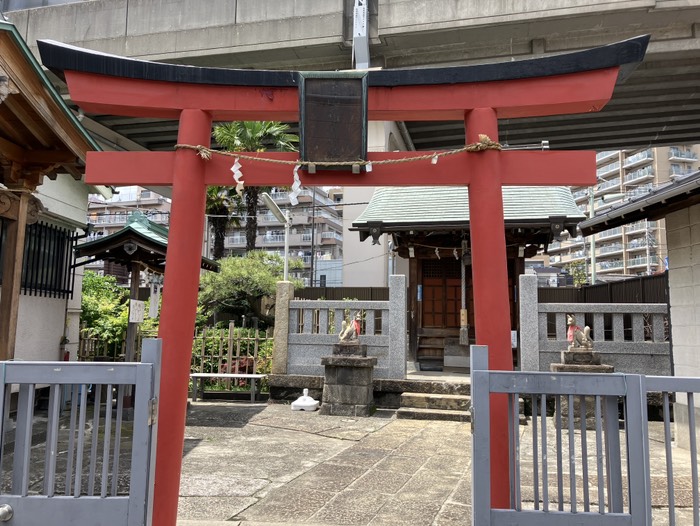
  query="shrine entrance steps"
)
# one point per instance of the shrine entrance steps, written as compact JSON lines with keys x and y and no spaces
{"x":440,"y":350}
{"x":427,"y":406}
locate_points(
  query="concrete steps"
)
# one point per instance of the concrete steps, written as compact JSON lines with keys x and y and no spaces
{"x":415,"y":413}
{"x":441,"y":406}
{"x":435,"y":406}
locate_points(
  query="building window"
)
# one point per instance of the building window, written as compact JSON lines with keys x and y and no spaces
{"x":47,"y":269}
{"x":322,"y":280}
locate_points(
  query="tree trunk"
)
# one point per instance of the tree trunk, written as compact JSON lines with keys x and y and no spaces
{"x":219,"y":226}
{"x":251,"y":222}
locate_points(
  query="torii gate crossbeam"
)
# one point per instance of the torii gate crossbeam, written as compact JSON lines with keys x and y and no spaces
{"x":572,"y":83}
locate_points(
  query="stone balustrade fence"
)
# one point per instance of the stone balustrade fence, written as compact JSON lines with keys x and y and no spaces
{"x":305,"y":331}
{"x":632,"y":337}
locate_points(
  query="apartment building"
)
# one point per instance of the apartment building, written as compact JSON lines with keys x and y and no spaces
{"x":317,"y":229}
{"x":315,"y":236}
{"x":634,"y":249}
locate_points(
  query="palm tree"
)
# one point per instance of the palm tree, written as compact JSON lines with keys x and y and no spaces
{"x":222,"y":201}
{"x":253,"y":136}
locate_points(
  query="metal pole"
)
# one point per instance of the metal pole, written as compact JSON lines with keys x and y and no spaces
{"x":286,"y":245}
{"x":207,"y":239}
{"x":647,"y":239}
{"x":313,"y":236}
{"x":591,"y":213}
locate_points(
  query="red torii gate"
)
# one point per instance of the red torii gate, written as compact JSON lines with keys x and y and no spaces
{"x":572,"y":83}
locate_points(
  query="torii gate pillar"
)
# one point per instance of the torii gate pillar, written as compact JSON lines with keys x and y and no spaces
{"x":180,"y":290}
{"x":490,"y":282}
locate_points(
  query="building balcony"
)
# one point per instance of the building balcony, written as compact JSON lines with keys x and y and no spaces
{"x":280,"y":196}
{"x":684,"y":156}
{"x":235,"y":241}
{"x":611,"y":233}
{"x":608,"y":169}
{"x":608,"y":250}
{"x":641,"y":261}
{"x":640,"y":226}
{"x":268,"y":218}
{"x":675,"y":172}
{"x":640,"y":243}
{"x":608,"y":186}
{"x":610,"y":266}
{"x":640,"y":191}
{"x":272,"y":239}
{"x":580,"y":194}
{"x":640,"y":175}
{"x":639,"y":158}
{"x":602,"y":156}
{"x":327,"y":237}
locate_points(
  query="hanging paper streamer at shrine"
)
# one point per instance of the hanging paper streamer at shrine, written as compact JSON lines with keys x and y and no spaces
{"x":237,"y":176}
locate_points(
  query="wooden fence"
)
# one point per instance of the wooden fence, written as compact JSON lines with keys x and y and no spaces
{"x":644,"y":289}
{"x":230,"y":350}
{"x":343,"y":293}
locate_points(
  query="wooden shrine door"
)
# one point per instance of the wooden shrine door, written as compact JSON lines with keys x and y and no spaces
{"x":442,"y":293}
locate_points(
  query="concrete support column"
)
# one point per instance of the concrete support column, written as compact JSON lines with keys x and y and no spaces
{"x":285,"y":294}
{"x":529,"y":324}
{"x":398,"y":336}
{"x":177,"y":319}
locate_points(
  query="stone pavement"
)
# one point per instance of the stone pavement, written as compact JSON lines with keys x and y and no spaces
{"x":265,"y":464}
{"x":257,"y":465}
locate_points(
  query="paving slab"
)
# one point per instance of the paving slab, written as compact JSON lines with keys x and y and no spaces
{"x":265,"y":465}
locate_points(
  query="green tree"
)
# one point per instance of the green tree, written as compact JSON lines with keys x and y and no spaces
{"x":253,"y":136}
{"x":242,"y":283}
{"x":577,"y":269}
{"x":104,"y":307}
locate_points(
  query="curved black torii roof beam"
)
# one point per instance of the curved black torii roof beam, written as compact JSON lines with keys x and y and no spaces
{"x":627,"y":54}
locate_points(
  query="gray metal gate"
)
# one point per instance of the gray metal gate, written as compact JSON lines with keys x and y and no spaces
{"x":80,"y":456}
{"x":583,"y":464}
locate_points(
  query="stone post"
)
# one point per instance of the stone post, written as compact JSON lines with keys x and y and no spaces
{"x":397,"y":327}
{"x":580,"y":358}
{"x":348,"y":388}
{"x":285,"y":294}
{"x":529,"y":324}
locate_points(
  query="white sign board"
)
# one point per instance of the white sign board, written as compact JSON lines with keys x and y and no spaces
{"x":136,"y":311}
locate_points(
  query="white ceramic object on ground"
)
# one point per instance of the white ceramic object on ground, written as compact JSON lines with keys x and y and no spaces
{"x":305,"y":403}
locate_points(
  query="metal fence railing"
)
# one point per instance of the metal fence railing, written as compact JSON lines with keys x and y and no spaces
{"x":589,"y":455}
{"x":93,"y":459}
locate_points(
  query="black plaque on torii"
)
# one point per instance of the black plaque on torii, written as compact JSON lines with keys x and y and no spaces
{"x":330,"y":104}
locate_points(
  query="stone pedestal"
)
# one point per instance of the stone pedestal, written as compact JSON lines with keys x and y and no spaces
{"x":348,"y":388}
{"x":580,"y":361}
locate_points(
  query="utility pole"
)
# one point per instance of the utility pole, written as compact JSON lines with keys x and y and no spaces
{"x":313,"y":236}
{"x":591,"y":213}
{"x":647,"y":241}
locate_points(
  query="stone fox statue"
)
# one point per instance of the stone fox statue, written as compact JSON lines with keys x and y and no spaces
{"x":578,"y":338}
{"x":350,"y":329}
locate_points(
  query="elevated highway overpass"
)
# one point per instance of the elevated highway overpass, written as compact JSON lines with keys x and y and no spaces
{"x":657,"y":105}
